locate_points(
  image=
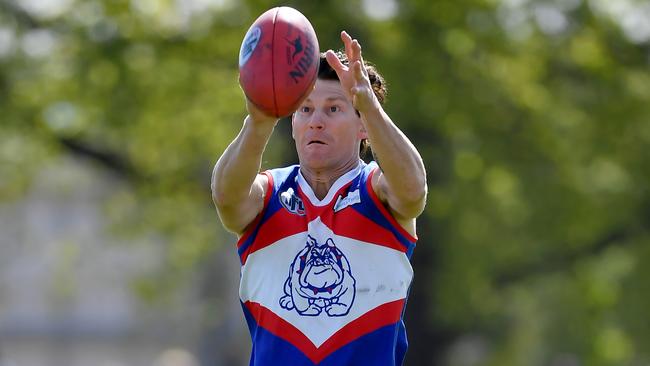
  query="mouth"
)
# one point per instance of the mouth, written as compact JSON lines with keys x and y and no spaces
{"x":319,"y":142}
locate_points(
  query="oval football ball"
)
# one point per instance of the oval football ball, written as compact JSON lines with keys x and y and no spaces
{"x":278,"y":61}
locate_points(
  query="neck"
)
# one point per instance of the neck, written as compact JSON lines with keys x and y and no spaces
{"x":321,"y":181}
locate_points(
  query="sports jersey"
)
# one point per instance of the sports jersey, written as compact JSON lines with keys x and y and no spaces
{"x":325,"y":282}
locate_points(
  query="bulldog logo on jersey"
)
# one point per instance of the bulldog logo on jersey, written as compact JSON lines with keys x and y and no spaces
{"x":319,"y":280}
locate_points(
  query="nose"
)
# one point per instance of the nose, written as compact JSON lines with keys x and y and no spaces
{"x":316,"y":121}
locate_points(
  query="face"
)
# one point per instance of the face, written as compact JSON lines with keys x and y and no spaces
{"x":321,"y":267}
{"x":327,"y":129}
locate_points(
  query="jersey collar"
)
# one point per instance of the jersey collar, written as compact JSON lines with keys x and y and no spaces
{"x":338,"y":184}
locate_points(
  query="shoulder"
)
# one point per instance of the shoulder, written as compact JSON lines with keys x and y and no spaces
{"x":368,"y":171}
{"x":280,"y":176}
{"x":282,"y":173}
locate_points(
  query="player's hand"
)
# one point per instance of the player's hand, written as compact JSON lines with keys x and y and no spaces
{"x":354,"y":77}
{"x":257,"y":115}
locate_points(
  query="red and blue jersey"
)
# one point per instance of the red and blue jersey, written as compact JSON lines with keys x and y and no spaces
{"x":325,"y":282}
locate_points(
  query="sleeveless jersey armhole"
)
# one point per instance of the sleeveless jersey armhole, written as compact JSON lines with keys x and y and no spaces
{"x":384,"y":210}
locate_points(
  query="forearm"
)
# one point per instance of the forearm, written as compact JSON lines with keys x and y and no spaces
{"x":400,"y":162}
{"x":236,"y":169}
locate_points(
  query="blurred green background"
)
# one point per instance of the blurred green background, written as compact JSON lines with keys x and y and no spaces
{"x":532,"y":116}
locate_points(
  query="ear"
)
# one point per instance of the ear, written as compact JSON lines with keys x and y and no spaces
{"x":292,"y":119}
{"x":363,"y":134}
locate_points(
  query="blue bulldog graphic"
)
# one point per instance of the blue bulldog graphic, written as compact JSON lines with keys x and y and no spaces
{"x":319,"y":280}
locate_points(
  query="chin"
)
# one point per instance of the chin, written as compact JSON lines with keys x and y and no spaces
{"x":315,"y":160}
{"x":314,"y":164}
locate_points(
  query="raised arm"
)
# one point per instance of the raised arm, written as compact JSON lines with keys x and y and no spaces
{"x":401,"y":184}
{"x":238,"y":189}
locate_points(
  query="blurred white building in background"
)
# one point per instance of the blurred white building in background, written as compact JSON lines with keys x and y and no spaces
{"x":66,"y":296}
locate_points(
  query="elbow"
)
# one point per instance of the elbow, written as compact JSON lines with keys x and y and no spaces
{"x":416,"y":192}
{"x":409,"y":206}
{"x":218,"y":199}
{"x":415,"y":204}
{"x":219,"y":195}
{"x":228,"y":214}
{"x":230,"y":225}
{"x":222,"y":190}
{"x":413,"y":200}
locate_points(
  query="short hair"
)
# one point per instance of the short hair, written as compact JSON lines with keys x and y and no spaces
{"x":326,"y":72}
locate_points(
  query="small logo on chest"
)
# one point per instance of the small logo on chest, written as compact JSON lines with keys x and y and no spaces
{"x":292,"y":202}
{"x":352,"y":198}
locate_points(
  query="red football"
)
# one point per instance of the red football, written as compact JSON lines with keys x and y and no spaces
{"x":278,"y":61}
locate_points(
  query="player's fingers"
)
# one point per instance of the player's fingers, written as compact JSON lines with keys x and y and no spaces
{"x":356,"y":50}
{"x":347,"y":43}
{"x":358,"y":70}
{"x":334,"y":62}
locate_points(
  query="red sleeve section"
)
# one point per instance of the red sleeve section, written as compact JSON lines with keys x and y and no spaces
{"x":280,"y":225}
{"x":368,"y":231}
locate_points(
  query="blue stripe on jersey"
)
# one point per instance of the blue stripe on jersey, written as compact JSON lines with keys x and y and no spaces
{"x":269,"y":350}
{"x":372,"y":349}
{"x":367,"y":209}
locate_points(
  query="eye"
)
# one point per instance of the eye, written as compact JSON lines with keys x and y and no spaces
{"x":335,"y":108}
{"x":305,"y":109}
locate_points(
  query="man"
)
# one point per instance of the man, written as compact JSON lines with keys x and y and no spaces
{"x":325,"y":245}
